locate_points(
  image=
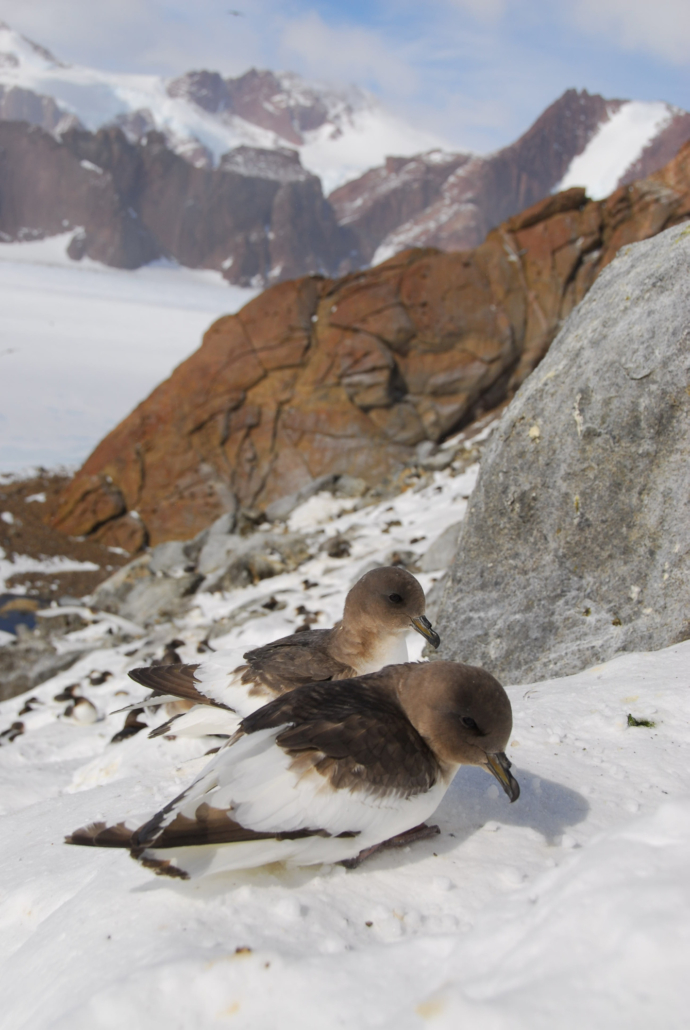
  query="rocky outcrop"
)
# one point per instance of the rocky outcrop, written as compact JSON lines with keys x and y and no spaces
{"x":23,"y":105}
{"x":281,"y":104}
{"x":317,"y":378}
{"x":577,"y":541}
{"x":260,"y":217}
{"x":661,"y":149}
{"x":161,"y":584}
{"x":451,"y":201}
{"x":383,"y":199}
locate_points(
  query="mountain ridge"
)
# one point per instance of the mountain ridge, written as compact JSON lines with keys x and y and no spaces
{"x":339,"y":132}
{"x":478,"y":193}
{"x":258,"y":218}
{"x":274,"y":126}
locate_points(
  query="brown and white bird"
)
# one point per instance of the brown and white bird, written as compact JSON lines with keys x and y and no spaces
{"x":328,"y":771}
{"x":380,"y":610}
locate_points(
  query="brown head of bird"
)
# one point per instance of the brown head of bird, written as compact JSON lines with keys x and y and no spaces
{"x":390,"y":600}
{"x":463,"y":713}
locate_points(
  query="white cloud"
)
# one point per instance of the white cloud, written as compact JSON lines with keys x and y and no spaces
{"x":484,"y":10}
{"x":163,"y":36}
{"x":661,"y":28}
{"x":348,"y":53}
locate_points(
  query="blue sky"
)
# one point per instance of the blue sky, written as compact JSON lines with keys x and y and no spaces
{"x":476,"y":72}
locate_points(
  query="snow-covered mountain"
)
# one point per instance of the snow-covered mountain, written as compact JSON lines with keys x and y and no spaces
{"x":425,"y":195}
{"x":626,"y":145}
{"x":339,"y":134}
{"x":451,"y":200}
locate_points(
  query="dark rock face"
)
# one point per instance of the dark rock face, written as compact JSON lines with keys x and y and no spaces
{"x":23,"y":105}
{"x":385,"y":198}
{"x":47,"y":187}
{"x":661,"y":150}
{"x":207,"y":90}
{"x":259,"y":97}
{"x":316,"y":378}
{"x":452,"y":204}
{"x":577,"y":542}
{"x":260,"y":217}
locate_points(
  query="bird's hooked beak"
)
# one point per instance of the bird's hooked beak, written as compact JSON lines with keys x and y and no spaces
{"x":423,"y":626}
{"x":499,"y":765}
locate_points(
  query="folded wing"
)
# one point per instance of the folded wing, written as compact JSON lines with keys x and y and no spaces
{"x":240,"y":681}
{"x":316,"y":775}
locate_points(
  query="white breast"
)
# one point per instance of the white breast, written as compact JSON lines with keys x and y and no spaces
{"x":392,"y":650}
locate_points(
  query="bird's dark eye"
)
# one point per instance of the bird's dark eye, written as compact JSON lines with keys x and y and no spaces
{"x":468,"y":721}
{"x":395,"y":598}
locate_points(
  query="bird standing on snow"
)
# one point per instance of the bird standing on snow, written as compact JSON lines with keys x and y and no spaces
{"x":380,"y":610}
{"x":328,"y":771}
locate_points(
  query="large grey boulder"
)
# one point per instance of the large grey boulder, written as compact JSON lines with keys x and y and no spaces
{"x":576,"y":544}
{"x":442,"y":551}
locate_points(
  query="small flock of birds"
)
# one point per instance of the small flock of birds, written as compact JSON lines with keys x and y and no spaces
{"x":335,"y":745}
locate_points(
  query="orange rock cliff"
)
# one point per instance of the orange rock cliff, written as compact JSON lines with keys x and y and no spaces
{"x":318,"y":376}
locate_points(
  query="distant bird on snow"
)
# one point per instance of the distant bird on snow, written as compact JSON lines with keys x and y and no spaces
{"x":328,"y":772}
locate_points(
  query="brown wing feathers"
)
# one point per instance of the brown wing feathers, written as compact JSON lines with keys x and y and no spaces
{"x":279,"y":667}
{"x":99,"y":835}
{"x":359,"y":736}
{"x":294,"y":661}
{"x":213,"y":826}
{"x":178,"y":680}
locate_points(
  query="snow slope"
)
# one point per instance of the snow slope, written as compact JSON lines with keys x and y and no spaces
{"x":368,"y":135}
{"x":81,"y":344}
{"x":569,"y":908}
{"x":358,"y":133}
{"x":616,"y":146}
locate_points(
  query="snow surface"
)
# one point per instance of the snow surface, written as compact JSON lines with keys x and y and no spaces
{"x":370,"y":135}
{"x":359,"y":132}
{"x":616,"y":145}
{"x":48,"y":566}
{"x":81,"y":344}
{"x":569,"y":908}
